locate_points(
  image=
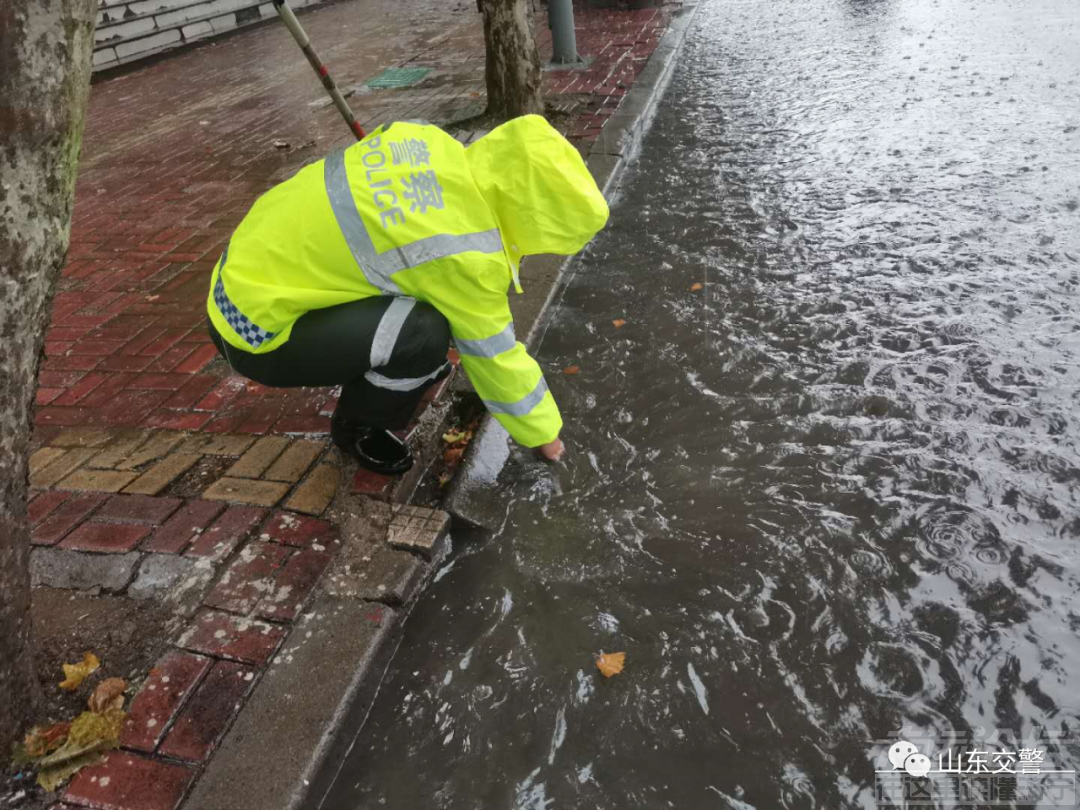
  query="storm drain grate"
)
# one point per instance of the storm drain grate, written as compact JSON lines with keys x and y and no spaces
{"x":395,"y":78}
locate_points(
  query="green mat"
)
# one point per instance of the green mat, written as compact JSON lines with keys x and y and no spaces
{"x":394,"y":78}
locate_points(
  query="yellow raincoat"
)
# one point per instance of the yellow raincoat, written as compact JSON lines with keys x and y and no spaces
{"x":409,"y":211}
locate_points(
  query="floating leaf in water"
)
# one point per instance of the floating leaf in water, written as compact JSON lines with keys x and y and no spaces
{"x":109,"y":694}
{"x":610,"y":664}
{"x":75,"y":674}
{"x":618,"y":323}
{"x":571,"y":370}
{"x":697,"y":285}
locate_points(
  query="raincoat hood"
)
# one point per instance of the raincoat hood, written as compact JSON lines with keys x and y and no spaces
{"x":539,"y":189}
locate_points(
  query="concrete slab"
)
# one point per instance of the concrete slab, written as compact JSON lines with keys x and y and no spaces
{"x":59,"y":568}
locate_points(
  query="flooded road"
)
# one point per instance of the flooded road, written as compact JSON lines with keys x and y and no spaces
{"x":828,"y":495}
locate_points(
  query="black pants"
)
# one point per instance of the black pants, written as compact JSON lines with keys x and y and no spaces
{"x":337,"y":346}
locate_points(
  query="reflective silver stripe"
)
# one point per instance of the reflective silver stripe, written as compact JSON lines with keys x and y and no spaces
{"x":523,"y":405}
{"x":379,"y":267}
{"x":442,"y":245}
{"x":376,"y":268}
{"x":386,"y":334}
{"x":403,"y":384}
{"x":489,"y":346}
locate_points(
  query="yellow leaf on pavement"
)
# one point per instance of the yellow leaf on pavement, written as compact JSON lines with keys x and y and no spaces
{"x":90,"y":727}
{"x":610,"y":663}
{"x":455,"y":436}
{"x":75,"y":674}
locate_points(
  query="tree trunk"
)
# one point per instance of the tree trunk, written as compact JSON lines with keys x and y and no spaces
{"x":45,"y":49}
{"x":513,"y":62}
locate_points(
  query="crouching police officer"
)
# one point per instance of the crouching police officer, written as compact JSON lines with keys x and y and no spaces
{"x":359,"y":270}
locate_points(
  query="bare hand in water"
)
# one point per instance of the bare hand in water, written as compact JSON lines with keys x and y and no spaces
{"x":552,"y":451}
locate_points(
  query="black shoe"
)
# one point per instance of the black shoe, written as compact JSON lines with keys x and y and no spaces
{"x":376,"y":449}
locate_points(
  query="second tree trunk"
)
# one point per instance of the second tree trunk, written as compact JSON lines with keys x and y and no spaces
{"x":513,"y":62}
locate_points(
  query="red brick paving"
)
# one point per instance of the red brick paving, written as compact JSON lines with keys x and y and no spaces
{"x":225,"y":534}
{"x":208,"y":714}
{"x":110,"y":538}
{"x":227,"y":636}
{"x":249,"y":577}
{"x":138,"y":508}
{"x":368,"y":483}
{"x":297,"y":530}
{"x":293,"y":585}
{"x":64,"y":518}
{"x":128,"y":345}
{"x":170,"y":682}
{"x":178,"y":532}
{"x":128,"y":782}
{"x":44,"y":504}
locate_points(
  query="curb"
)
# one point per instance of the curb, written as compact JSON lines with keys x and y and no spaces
{"x":468,"y":499}
{"x":285,"y":749}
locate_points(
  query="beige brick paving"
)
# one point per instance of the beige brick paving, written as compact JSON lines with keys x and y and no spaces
{"x":256,"y":460}
{"x":81,"y":437}
{"x":225,"y":445}
{"x":56,"y":469}
{"x":243,"y":490}
{"x":163,"y":473}
{"x":294,"y":462}
{"x":118,"y":450}
{"x":317,"y":491}
{"x":160,"y":443}
{"x":97,"y":480}
{"x":40,"y":459}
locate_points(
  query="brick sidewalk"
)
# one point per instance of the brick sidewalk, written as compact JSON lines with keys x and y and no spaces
{"x":173,"y":477}
{"x":175,"y":154}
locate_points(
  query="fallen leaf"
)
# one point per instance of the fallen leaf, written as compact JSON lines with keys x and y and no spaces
{"x":109,"y":694}
{"x":455,"y":436}
{"x":452,"y":455}
{"x":75,"y":674}
{"x":618,"y":323}
{"x":610,"y":663}
{"x":697,"y":285}
{"x":40,"y":741}
{"x":571,"y":370}
{"x":53,"y":778}
{"x":90,"y":735}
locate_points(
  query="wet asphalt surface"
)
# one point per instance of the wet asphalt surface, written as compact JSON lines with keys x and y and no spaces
{"x":828,"y":496}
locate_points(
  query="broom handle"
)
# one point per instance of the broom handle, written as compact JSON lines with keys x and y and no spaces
{"x":317,"y":65}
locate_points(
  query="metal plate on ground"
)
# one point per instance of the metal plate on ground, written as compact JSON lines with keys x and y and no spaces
{"x":396,"y":78}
